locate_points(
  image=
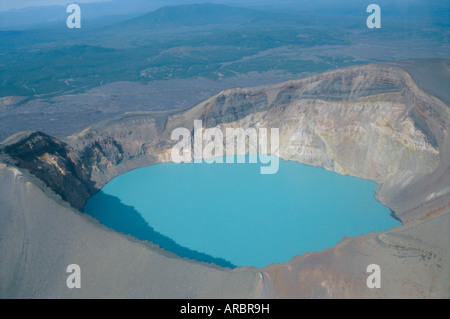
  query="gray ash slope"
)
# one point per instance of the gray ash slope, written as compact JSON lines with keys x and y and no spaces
{"x":369,"y":121}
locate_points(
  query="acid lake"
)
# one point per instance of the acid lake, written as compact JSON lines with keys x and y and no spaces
{"x":231,"y":215}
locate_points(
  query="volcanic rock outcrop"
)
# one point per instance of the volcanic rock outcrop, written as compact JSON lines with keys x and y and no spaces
{"x":369,"y":121}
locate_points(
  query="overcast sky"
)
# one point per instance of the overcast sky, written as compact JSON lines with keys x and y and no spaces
{"x":18,"y":4}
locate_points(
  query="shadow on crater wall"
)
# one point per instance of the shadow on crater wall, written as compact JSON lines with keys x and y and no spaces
{"x":112,"y":213}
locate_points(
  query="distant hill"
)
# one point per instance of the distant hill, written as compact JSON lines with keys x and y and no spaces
{"x":107,"y":13}
{"x":194,"y":15}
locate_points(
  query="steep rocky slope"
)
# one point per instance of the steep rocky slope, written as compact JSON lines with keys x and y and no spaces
{"x":55,"y":163}
{"x":368,"y":121}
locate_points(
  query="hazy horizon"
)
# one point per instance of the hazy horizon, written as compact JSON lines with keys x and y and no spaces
{"x":29,"y":14}
{"x":6,"y":5}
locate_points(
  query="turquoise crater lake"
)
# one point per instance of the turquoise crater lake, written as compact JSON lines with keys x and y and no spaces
{"x":231,"y":215}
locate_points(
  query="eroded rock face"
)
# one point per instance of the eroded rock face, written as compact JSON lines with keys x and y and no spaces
{"x":55,"y":163}
{"x":367,"y":121}
{"x":371,"y":122}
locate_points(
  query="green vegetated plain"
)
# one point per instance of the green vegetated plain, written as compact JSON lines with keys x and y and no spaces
{"x":180,"y":42}
{"x":47,"y":62}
